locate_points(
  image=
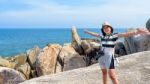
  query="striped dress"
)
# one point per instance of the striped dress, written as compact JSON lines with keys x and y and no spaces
{"x":107,"y":60}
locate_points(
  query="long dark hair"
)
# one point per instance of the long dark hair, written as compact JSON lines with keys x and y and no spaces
{"x":104,"y":34}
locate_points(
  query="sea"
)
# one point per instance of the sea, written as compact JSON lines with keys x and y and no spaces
{"x":17,"y":41}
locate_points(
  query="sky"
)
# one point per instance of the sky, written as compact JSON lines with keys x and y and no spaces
{"x":68,"y":13}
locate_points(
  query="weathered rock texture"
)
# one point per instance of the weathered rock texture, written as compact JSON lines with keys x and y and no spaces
{"x":70,"y":58}
{"x":32,"y":55}
{"x":133,"y":69}
{"x":148,"y":25}
{"x":47,"y":59}
{"x":6,"y":63}
{"x":120,"y":49}
{"x":10,"y":76}
{"x":76,"y":41}
{"x":25,"y":69}
{"x":137,"y":43}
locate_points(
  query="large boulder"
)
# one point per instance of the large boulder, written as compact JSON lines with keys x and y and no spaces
{"x":70,"y":58}
{"x":10,"y":76}
{"x":133,"y":69}
{"x":32,"y":56}
{"x":76,"y":41}
{"x":137,"y":43}
{"x":47,"y":60}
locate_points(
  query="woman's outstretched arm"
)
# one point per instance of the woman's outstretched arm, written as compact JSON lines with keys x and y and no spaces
{"x":142,"y":31}
{"x":91,"y":33}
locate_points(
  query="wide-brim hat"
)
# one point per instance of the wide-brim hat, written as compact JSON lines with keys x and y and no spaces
{"x":106,"y":24}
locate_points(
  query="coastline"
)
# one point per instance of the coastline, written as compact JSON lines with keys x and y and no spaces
{"x":55,"y":58}
{"x":17,"y":41}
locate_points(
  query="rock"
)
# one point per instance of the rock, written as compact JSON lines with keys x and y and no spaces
{"x":70,"y":58}
{"x":97,"y":40}
{"x":6,"y":63}
{"x":32,"y":56}
{"x":90,"y":50}
{"x":25,"y":69}
{"x":13,"y":62}
{"x":120,"y":49}
{"x":47,"y":59}
{"x":10,"y":76}
{"x":33,"y":74}
{"x":133,"y":69}
{"x":19,"y":59}
{"x":86,"y":47}
{"x":129,"y":43}
{"x":137,"y":43}
{"x":148,"y":24}
{"x":58,"y":67}
{"x":76,"y":41}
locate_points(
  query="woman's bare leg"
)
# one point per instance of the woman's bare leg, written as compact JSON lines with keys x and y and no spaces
{"x":113,"y":76}
{"x":104,"y":73}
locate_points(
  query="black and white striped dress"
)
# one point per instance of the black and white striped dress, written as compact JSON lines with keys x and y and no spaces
{"x":108,"y":44}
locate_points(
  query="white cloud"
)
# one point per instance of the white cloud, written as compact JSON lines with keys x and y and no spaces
{"x":119,"y":13}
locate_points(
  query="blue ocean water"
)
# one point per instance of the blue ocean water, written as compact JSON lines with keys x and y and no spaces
{"x":16,"y":41}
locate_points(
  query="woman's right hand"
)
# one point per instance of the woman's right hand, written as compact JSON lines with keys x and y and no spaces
{"x":91,"y":33}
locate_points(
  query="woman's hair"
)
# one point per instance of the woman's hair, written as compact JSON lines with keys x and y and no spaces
{"x":104,"y":34}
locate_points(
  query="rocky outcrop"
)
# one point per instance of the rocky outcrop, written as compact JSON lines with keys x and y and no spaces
{"x":19,"y":60}
{"x":54,"y":58}
{"x":10,"y":76}
{"x":70,"y":58}
{"x":133,"y":69}
{"x":148,"y":25}
{"x":6,"y":63}
{"x":13,"y":62}
{"x":76,"y":41}
{"x":47,"y":59}
{"x":90,"y":47}
{"x":137,"y":43}
{"x":86,"y":46}
{"x":32,"y":56}
{"x":120,"y":49}
{"x":25,"y":69}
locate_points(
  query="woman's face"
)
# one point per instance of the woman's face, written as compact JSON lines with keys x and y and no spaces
{"x":107,"y":30}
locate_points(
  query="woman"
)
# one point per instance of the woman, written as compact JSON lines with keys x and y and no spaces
{"x":108,"y":42}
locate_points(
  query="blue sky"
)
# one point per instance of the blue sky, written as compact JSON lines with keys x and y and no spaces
{"x":79,"y":13}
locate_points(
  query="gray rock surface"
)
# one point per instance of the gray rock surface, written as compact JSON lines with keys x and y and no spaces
{"x":148,"y":24}
{"x":137,"y":43}
{"x":120,"y":49}
{"x":10,"y":76}
{"x":70,"y":58}
{"x":133,"y":69}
